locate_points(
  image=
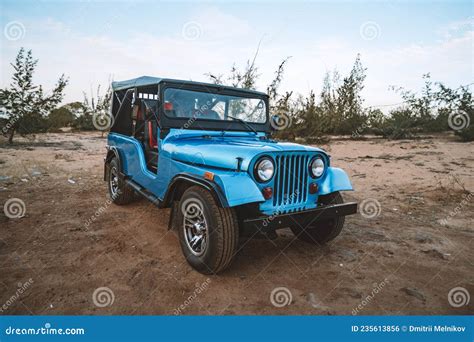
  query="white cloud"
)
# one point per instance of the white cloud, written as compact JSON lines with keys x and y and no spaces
{"x":456,"y":28}
{"x":449,"y":60}
{"x":218,"y":25}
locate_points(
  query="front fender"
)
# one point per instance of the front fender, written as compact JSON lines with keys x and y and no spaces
{"x":335,"y":180}
{"x":238,"y":188}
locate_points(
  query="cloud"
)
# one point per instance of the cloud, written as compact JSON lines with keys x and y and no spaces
{"x":218,"y":25}
{"x":448,"y":59}
{"x":90,"y":59}
{"x":456,"y":28}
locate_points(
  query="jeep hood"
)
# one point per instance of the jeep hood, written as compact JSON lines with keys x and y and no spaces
{"x":213,"y":149}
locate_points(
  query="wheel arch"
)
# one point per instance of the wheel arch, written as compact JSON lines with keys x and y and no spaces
{"x":178,"y":186}
{"x":112,"y":152}
{"x":181,"y":182}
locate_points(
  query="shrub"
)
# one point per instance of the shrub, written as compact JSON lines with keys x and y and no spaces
{"x":61,"y":117}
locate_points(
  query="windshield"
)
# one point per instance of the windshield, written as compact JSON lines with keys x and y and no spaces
{"x":180,"y":103}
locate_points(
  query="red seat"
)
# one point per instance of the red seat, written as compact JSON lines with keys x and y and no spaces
{"x":152,"y":136}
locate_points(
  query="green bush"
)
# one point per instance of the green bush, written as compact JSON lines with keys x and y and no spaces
{"x":32,"y":123}
{"x":84,"y":122}
{"x":467,"y":133}
{"x":61,"y":117}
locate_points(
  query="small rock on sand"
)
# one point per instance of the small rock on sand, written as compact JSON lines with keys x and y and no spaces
{"x":435,"y":253}
{"x":422,"y":237}
{"x":315,"y":303}
{"x":411,"y":291}
{"x":347,"y":255}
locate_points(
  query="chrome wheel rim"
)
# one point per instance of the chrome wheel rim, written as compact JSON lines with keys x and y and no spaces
{"x":113,"y":182}
{"x":195,"y":227}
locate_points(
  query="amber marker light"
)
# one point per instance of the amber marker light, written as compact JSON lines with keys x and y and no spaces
{"x":209,"y":175}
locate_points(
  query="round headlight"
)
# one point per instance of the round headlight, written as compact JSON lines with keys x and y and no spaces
{"x":317,"y":167}
{"x":264,"y":170}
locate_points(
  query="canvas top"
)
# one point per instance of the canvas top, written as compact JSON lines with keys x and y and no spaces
{"x":150,"y":80}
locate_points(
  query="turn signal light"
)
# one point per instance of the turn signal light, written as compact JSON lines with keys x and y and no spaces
{"x":209,"y":175}
{"x":313,"y":188}
{"x":267,"y":193}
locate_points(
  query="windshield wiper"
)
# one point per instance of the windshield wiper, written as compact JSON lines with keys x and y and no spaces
{"x":246,"y":124}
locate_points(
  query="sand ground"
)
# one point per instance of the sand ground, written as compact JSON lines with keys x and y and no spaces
{"x":404,"y":260}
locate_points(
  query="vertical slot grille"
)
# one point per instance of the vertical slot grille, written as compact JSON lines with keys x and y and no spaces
{"x":291,"y":179}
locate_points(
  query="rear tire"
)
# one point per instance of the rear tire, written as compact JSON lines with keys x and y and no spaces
{"x":322,"y":231}
{"x":208,"y":233}
{"x":119,"y":192}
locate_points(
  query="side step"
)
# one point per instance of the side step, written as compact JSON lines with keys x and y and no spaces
{"x":142,"y":191}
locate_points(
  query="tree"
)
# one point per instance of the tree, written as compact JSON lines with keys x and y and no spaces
{"x":435,"y":108}
{"x":280,"y":104}
{"x":95,"y":111}
{"x":63,"y":116}
{"x":237,"y":78}
{"x":247,"y":79}
{"x":458,"y":109}
{"x":328,"y":100}
{"x":350,"y":111}
{"x":24,"y":100}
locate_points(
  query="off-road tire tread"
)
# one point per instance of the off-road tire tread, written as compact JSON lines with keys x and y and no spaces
{"x":227,"y":231}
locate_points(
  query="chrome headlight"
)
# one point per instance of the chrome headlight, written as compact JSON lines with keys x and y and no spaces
{"x":264,"y":170}
{"x":317,"y":167}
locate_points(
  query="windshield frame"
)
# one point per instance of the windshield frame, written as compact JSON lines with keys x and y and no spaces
{"x":212,"y":124}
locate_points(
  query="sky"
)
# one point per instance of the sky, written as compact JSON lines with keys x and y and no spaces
{"x":92,"y":42}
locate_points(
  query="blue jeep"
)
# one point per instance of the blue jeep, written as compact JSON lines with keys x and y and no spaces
{"x":206,"y":152}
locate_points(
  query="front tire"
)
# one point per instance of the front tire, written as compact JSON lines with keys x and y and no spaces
{"x":322,"y":231}
{"x":208,"y":233}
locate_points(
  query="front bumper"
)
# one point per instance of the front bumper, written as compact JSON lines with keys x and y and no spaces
{"x":303,"y":218}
